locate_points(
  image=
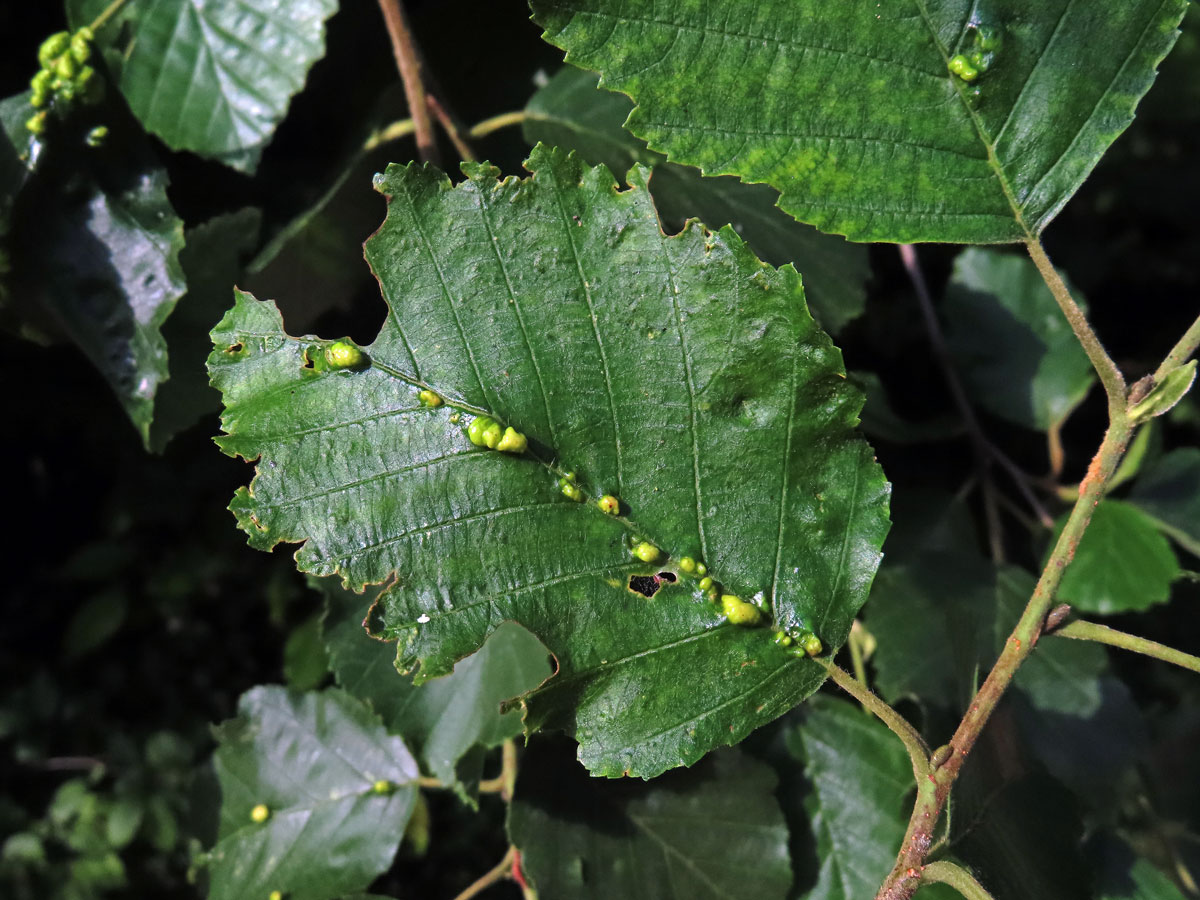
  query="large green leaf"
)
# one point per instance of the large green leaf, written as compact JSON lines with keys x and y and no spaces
{"x":849,"y":108}
{"x":445,"y":718}
{"x":572,"y":112}
{"x":711,"y":833}
{"x":1169,"y":491}
{"x":1122,"y":564}
{"x":678,"y":373}
{"x":1017,"y":354}
{"x":216,"y":76}
{"x":861,"y":778}
{"x":338,"y":791}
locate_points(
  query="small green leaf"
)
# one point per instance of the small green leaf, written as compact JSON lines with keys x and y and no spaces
{"x":533,"y":302}
{"x":710,"y":833}
{"x":573,"y":113}
{"x":1122,"y":564}
{"x":1169,"y":492}
{"x":312,"y":761}
{"x":1016,"y":353}
{"x":443,"y":719}
{"x":848,"y":108}
{"x":305,"y":663}
{"x":216,"y":78}
{"x":1164,"y":395}
{"x":1124,"y":875}
{"x":860,"y":778}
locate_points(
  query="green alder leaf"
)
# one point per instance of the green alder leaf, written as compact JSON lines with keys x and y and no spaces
{"x":572,"y":112}
{"x":1169,"y":492}
{"x":679,"y":374}
{"x":1164,"y":395}
{"x":849,"y":108}
{"x":712,"y":832}
{"x":1017,"y":354}
{"x":860,"y":778}
{"x":337,"y":788}
{"x":216,"y":76}
{"x":1122,"y":564}
{"x":105,"y":248}
{"x":1121,"y":874}
{"x":443,"y":719}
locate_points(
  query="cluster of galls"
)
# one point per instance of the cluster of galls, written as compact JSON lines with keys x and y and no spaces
{"x":485,"y":431}
{"x":969,"y":66}
{"x":64,"y":80}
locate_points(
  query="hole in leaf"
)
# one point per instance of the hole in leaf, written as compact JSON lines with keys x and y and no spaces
{"x":646,"y":585}
{"x":235,"y":348}
{"x":667,"y":576}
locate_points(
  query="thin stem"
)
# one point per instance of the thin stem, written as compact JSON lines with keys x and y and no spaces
{"x":495,"y":123}
{"x":448,"y":125}
{"x":497,"y":873}
{"x":918,"y":751}
{"x":409,"y":66}
{"x":395,"y":131}
{"x":1110,"y":375}
{"x":1091,"y":631}
{"x":1180,"y":352}
{"x":431,"y":783}
{"x":856,"y":658}
{"x":108,"y":12}
{"x":957,"y":877}
{"x":508,"y":771}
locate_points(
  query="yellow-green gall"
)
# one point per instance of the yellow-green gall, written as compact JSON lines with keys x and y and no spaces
{"x":476,"y":429}
{"x":512,"y":441}
{"x":705,"y":583}
{"x":810,"y":644}
{"x":260,"y":813}
{"x":428,"y":398}
{"x":344,"y":355}
{"x":609,"y":504}
{"x":647,"y":552}
{"x":36,"y":124}
{"x":701,"y":569}
{"x":961,"y":66}
{"x":783,"y":639}
{"x":492,"y":435}
{"x":383,"y":786}
{"x":81,"y":45}
{"x":97,"y":136}
{"x":275,"y":895}
{"x":687,"y":564}
{"x":65,"y":67}
{"x":53,"y":47}
{"x":571,"y":491}
{"x":738,"y":611}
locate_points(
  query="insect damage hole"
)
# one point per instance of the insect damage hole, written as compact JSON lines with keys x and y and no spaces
{"x":649,"y":585}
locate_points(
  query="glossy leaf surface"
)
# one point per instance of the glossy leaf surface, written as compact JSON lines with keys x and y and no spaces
{"x":712,"y":832}
{"x":537,"y":301}
{"x":849,"y":109}
{"x":317,"y":763}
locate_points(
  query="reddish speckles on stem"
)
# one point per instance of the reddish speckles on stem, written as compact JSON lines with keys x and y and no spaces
{"x":517,"y":875}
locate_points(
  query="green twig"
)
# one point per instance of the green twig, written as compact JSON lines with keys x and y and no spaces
{"x":109,"y":11}
{"x":854,"y":643}
{"x":918,"y":751}
{"x":495,"y":123}
{"x":1180,"y":352}
{"x":1091,"y":631}
{"x":957,"y":877}
{"x":1110,"y":375}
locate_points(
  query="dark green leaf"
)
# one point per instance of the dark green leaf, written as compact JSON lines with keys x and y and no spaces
{"x":1170,"y":492}
{"x":305,"y":663}
{"x":537,"y":301}
{"x":861,"y":777}
{"x":880,"y":420}
{"x":573,"y":113}
{"x":714,"y":831}
{"x":216,"y":78}
{"x":1125,"y":876}
{"x":1123,"y":563}
{"x":315,"y":761}
{"x":444,"y":718}
{"x":95,"y":622}
{"x":1017,"y":354}
{"x":107,"y":250}
{"x":850,"y":111}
